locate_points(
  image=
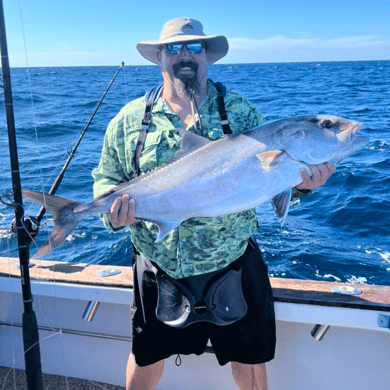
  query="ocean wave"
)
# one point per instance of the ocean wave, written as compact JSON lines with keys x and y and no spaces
{"x":379,"y":146}
{"x":362,"y":110}
{"x":5,"y":234}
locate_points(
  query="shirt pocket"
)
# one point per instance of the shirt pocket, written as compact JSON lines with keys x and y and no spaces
{"x":152,"y":139}
{"x":148,"y":158}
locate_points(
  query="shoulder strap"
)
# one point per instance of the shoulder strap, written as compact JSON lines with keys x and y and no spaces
{"x":144,"y":127}
{"x":221,"y":89}
{"x":157,"y":94}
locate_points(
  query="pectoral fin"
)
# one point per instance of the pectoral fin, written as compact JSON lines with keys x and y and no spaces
{"x":269,"y":159}
{"x":164,"y":227}
{"x":281,"y":204}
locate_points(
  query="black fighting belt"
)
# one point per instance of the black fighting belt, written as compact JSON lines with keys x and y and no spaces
{"x":214,"y":297}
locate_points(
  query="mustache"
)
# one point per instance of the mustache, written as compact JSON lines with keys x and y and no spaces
{"x":184,"y":64}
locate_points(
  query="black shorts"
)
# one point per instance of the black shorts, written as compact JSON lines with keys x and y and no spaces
{"x":250,"y":340}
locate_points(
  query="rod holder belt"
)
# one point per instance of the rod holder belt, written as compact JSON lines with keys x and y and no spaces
{"x":319,"y":331}
{"x":90,"y":310}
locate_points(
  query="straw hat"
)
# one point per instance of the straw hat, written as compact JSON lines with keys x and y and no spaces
{"x":185,"y":30}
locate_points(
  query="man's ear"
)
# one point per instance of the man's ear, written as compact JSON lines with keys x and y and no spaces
{"x":158,"y":55}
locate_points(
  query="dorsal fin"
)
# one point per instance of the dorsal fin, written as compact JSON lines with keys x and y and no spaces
{"x":190,"y":143}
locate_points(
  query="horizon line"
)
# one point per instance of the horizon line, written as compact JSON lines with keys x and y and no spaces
{"x":222,"y":64}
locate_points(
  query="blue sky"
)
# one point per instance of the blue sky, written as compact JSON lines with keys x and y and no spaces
{"x":105,"y":32}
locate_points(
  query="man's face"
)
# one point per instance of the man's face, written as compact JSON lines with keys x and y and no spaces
{"x":184,"y":69}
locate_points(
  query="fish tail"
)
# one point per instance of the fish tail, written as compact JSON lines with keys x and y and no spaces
{"x":64,"y":217}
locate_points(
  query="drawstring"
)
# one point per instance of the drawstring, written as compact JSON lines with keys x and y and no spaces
{"x":197,"y":121}
{"x":178,"y":361}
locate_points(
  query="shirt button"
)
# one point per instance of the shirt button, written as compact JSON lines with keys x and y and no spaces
{"x":214,"y":134}
{"x":176,"y":118}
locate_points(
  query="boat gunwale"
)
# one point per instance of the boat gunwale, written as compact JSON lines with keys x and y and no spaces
{"x":309,"y":292}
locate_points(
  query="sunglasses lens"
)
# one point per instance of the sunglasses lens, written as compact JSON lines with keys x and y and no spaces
{"x":174,"y":48}
{"x":195,"y":47}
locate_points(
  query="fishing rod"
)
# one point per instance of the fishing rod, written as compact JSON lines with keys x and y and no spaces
{"x":32,"y":354}
{"x":59,"y":178}
{"x":32,"y":224}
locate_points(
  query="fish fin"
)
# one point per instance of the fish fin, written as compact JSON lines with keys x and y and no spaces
{"x":269,"y":159}
{"x":192,"y":140}
{"x":164,"y":227}
{"x":281,"y":204}
{"x":335,"y":161}
{"x":52,"y":203}
{"x":82,"y":207}
{"x":190,"y":143}
{"x":64,"y":218}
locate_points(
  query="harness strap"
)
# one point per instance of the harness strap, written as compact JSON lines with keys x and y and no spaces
{"x":221,"y":89}
{"x":144,"y":128}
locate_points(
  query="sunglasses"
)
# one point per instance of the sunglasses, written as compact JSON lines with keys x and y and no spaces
{"x":177,"y":48}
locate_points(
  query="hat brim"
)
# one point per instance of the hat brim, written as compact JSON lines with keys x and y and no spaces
{"x":217,"y":46}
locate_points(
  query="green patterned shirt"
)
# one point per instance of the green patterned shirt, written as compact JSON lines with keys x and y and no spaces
{"x":198,"y":245}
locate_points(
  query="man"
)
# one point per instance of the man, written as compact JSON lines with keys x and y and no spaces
{"x":199,"y":246}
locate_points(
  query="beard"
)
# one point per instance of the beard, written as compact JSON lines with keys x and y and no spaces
{"x":187,"y":86}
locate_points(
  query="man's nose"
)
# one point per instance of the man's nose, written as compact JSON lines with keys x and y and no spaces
{"x":184,"y":52}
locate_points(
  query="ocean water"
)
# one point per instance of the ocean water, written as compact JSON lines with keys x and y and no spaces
{"x":341,"y":232}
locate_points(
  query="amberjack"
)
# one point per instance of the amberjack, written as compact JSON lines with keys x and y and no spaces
{"x":212,"y":178}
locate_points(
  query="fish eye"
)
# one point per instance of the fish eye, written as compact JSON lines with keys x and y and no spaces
{"x":327,"y":124}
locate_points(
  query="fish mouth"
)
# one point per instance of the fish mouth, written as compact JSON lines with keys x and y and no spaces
{"x":356,"y":126}
{"x":355,"y":142}
{"x":348,"y":136}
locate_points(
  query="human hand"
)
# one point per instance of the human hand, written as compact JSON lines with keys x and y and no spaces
{"x":122,"y":212}
{"x":319,"y":175}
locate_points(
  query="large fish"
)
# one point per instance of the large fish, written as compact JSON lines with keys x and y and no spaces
{"x":210,"y":178}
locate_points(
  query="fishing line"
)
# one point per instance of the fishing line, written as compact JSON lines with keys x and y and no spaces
{"x":20,"y":357}
{"x":31,"y":93}
{"x":32,"y":111}
{"x":32,"y":104}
